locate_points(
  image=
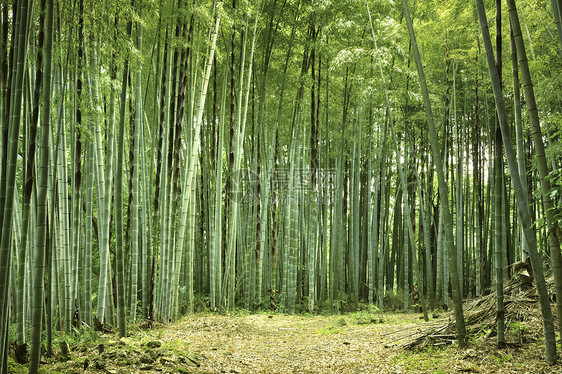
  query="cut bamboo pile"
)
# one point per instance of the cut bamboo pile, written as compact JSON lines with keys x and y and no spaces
{"x":523,"y":319}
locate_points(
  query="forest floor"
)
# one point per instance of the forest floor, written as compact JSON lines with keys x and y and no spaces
{"x":275,"y":343}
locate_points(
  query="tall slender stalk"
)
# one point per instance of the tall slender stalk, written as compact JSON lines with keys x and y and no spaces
{"x":191,"y":161}
{"x":403,"y":184}
{"x":120,"y":244}
{"x":136,"y":180}
{"x":521,"y":198}
{"x":442,"y":184}
{"x":540,"y":155}
{"x":42,"y":189}
{"x":9,"y":169}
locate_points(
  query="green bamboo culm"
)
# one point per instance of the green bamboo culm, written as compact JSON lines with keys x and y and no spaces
{"x":9,"y":169}
{"x":442,"y":184}
{"x":42,"y":190}
{"x":134,"y":244}
{"x":540,"y":155}
{"x":120,"y":243}
{"x":403,"y":184}
{"x":521,"y":198}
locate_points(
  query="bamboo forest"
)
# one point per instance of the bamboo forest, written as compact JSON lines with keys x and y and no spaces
{"x":179,"y":166}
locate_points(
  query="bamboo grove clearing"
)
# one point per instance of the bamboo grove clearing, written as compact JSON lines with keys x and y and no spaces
{"x":166,"y":157}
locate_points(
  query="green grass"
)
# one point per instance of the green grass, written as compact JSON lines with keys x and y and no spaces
{"x":330,"y":330}
{"x":430,"y":361}
{"x":14,"y":367}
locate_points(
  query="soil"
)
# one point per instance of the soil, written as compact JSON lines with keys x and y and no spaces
{"x":276,"y":343}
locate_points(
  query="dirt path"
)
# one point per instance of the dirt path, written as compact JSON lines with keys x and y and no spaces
{"x":283,"y":344}
{"x":334,"y":344}
{"x":276,"y":344}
